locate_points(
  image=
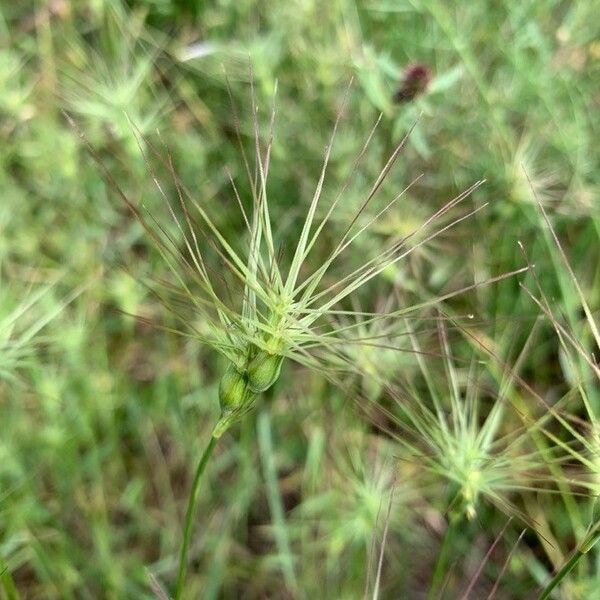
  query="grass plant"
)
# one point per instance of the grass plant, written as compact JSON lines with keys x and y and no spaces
{"x":404,"y":389}
{"x":269,"y":314}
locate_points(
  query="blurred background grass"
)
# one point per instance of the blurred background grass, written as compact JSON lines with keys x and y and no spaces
{"x":102,"y":416}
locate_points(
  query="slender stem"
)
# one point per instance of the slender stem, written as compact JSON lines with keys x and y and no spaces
{"x":566,"y":569}
{"x":274,"y":498}
{"x":591,"y":539}
{"x":189,"y":516}
{"x":443,"y":556}
{"x":8,"y":584}
{"x":385,"y":534}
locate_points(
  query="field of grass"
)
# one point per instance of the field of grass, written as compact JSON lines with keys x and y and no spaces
{"x":434,"y":431}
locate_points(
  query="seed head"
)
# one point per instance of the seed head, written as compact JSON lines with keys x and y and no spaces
{"x":236,"y":398}
{"x":263,"y":371}
{"x":470,"y":439}
{"x":252,"y":309}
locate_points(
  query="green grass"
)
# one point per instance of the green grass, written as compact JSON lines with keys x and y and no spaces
{"x":104,"y":415}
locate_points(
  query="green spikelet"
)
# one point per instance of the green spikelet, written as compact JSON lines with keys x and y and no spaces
{"x":235,"y":398}
{"x":263,"y":371}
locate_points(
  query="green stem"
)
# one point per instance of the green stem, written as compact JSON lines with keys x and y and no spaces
{"x":442,"y":561}
{"x":189,"y":516}
{"x":274,"y":498}
{"x":566,"y":569}
{"x":591,"y":539}
{"x":8,"y":584}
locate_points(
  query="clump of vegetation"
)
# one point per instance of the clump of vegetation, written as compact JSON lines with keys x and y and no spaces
{"x":388,"y":413}
{"x":255,"y":313}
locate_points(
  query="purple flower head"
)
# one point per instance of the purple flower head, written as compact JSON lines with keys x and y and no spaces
{"x":415,"y":80}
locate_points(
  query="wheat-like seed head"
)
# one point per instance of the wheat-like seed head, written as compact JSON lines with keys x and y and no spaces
{"x":22,"y":322}
{"x":466,"y":433}
{"x":255,"y":311}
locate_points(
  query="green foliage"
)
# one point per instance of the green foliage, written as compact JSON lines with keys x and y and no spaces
{"x":405,"y":385}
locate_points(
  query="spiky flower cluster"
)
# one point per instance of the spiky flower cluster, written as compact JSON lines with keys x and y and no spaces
{"x":479,"y":454}
{"x":20,"y":325}
{"x":277,"y":313}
